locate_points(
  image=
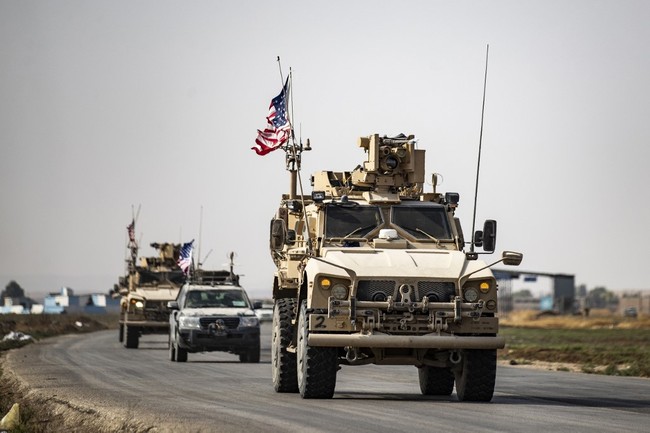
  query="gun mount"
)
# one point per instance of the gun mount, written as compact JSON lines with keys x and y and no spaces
{"x":394,"y":168}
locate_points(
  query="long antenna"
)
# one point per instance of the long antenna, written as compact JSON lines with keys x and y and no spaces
{"x":200,"y":231}
{"x":480,"y":143}
{"x":280,"y":68}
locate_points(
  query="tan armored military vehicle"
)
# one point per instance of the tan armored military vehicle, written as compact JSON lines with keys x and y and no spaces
{"x":146,"y":289}
{"x":372,"y":270}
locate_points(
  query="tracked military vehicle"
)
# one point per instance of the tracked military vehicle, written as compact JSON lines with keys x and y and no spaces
{"x":373,"y":270}
{"x":149,"y":285}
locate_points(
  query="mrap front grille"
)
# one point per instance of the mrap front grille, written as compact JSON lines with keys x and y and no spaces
{"x":380,"y":290}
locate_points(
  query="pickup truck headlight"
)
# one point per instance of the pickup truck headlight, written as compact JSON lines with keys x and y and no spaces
{"x":248,"y":322}
{"x":186,"y":322}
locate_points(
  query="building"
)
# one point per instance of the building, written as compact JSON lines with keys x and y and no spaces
{"x":65,"y":301}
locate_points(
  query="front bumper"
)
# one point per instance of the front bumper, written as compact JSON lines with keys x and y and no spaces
{"x":198,"y":340}
{"x":430,"y":341}
{"x":145,"y":324}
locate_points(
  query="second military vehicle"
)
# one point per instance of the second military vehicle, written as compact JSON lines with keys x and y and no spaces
{"x":145,"y":291}
{"x":373,"y":270}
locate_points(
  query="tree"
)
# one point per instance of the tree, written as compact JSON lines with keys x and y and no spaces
{"x":13,"y":290}
{"x":600,"y":297}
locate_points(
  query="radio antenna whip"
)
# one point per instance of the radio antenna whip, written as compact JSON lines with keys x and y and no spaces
{"x":480,"y":142}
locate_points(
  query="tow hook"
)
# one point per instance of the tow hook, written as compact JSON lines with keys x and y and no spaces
{"x":455,"y":357}
{"x":351,"y":354}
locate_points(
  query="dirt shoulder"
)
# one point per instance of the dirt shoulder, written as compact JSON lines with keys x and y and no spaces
{"x":39,"y":414}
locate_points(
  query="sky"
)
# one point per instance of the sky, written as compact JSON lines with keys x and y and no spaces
{"x":112,"y":106}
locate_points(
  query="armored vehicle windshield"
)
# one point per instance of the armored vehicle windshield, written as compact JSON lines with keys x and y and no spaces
{"x":422,"y":222}
{"x":352,"y":220}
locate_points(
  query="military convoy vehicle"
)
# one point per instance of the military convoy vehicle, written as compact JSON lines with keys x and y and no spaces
{"x":149,"y":285}
{"x":213,"y":313}
{"x":373,"y":270}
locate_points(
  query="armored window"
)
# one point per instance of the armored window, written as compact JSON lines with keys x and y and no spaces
{"x":422,"y":222}
{"x":351,"y":221}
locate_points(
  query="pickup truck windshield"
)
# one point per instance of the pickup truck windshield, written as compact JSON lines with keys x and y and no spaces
{"x":215,"y":299}
{"x":423,"y":222}
{"x":351,"y":221}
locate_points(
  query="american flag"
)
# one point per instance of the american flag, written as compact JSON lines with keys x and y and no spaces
{"x":131,"y":229}
{"x":185,"y":257}
{"x":277,"y":129}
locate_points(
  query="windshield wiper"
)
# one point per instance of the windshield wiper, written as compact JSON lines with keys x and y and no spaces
{"x":358,"y":230}
{"x":429,"y":236}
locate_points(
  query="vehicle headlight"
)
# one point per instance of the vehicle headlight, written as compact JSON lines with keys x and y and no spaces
{"x":484,"y":287}
{"x":339,"y":291}
{"x":248,"y":322}
{"x":187,"y":322}
{"x":471,"y":295}
{"x":137,"y":304}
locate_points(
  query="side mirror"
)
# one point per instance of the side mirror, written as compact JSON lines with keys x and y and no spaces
{"x":478,"y":238}
{"x":291,"y":236}
{"x":278,"y":234}
{"x":489,"y":235}
{"x":172,"y":305}
{"x":512,"y":258}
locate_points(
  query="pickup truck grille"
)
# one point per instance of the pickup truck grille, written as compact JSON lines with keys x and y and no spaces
{"x":380,"y":290}
{"x":230,"y":322}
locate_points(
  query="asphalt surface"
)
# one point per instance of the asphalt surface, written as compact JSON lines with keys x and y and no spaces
{"x":93,"y":374}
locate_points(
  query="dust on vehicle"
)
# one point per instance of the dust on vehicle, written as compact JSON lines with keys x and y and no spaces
{"x":373,"y":270}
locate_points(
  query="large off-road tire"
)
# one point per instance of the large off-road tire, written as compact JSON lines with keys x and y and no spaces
{"x":283,"y":362}
{"x":317,"y":366}
{"x":252,"y":354}
{"x":172,"y":349}
{"x":476,"y":376}
{"x":131,"y":337}
{"x":181,"y":354}
{"x":436,"y":380}
{"x":121,"y":333}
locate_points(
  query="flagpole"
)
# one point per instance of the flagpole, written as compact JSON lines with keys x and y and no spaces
{"x":293,"y":155}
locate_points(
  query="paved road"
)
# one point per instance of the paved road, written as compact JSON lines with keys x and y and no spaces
{"x":214,"y":392}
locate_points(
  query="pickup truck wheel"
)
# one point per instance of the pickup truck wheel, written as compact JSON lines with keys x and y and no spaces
{"x":251,"y":355}
{"x":477,"y":374}
{"x":436,"y":380}
{"x":181,"y":354}
{"x":283,"y":362}
{"x":121,"y":333}
{"x":172,"y":349}
{"x":131,"y":337}
{"x":317,"y":366}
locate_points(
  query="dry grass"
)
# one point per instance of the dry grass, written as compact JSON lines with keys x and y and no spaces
{"x":598,"y":319}
{"x":601,"y":343}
